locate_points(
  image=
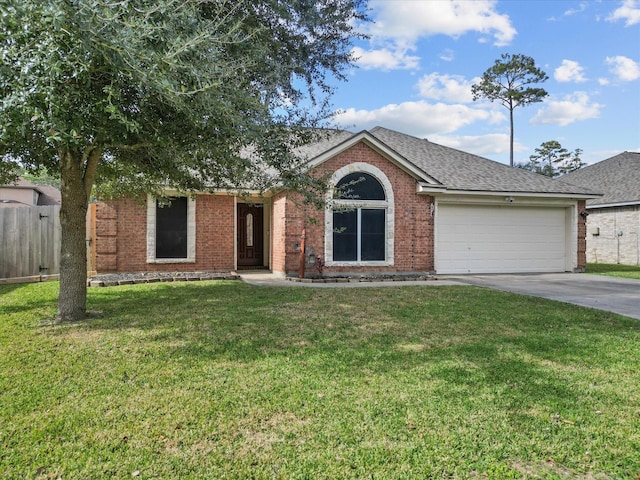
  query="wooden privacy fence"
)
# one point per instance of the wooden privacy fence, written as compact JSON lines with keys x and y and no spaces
{"x":29,"y":242}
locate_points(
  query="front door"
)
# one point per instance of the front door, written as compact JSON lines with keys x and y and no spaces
{"x":250,"y":235}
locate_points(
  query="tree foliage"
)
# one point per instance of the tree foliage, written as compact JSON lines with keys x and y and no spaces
{"x":509,"y":81}
{"x":190,"y":94}
{"x":552,"y":159}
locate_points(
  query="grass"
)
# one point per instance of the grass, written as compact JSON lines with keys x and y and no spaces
{"x":228,"y":381}
{"x":613,"y":270}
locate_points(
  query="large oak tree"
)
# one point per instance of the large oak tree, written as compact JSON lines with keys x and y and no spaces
{"x":132,"y":96}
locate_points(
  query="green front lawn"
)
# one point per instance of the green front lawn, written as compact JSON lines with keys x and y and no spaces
{"x":221,"y":380}
{"x":613,"y":270}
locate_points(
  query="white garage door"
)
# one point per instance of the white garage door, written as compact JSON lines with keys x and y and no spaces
{"x":499,"y":239}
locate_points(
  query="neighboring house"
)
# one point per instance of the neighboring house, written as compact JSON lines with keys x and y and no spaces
{"x":411,"y":206}
{"x":24,"y":193}
{"x":613,"y":225}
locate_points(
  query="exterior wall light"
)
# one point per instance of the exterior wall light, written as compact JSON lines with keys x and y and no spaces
{"x":312,"y":257}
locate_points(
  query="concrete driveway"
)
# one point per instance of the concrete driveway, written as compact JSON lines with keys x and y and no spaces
{"x":618,"y":295}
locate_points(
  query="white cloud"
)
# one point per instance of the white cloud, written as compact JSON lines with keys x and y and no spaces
{"x":450,"y":88}
{"x":569,"y":71}
{"x":410,"y":20}
{"x":447,"y":55}
{"x":573,"y":108}
{"x":629,"y":11}
{"x":385,"y":59}
{"x":581,"y":8}
{"x":624,"y":68}
{"x":416,"y":118}
{"x":491,"y":144}
{"x":604,"y":81}
{"x":399,"y":24}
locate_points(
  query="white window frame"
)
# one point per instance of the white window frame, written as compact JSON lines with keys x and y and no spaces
{"x":151,"y":231}
{"x":387,"y":205}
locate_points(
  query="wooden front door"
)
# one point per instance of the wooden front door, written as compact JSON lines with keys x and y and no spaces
{"x":250,"y":235}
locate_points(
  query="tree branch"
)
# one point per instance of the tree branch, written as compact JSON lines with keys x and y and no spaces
{"x":91,"y":165}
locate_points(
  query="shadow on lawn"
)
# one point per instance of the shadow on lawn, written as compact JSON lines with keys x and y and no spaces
{"x":244,"y":322}
{"x":514,"y":353}
{"x":240,"y":322}
{"x":25,"y":303}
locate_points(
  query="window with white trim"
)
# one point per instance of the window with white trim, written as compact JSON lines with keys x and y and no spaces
{"x":171,"y":230}
{"x":359,"y":227}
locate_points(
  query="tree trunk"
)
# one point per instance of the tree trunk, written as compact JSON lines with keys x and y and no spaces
{"x":76,"y":180}
{"x":511,"y":107}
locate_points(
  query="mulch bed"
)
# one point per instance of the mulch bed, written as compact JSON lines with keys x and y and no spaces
{"x":366,"y":278}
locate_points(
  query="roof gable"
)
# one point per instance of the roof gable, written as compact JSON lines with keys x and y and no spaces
{"x":343,"y":142}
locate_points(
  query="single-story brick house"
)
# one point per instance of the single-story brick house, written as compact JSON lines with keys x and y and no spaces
{"x":613,"y":225}
{"x":413,"y":206}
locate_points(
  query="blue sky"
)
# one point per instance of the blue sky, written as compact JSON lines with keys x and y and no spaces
{"x":415,"y":74}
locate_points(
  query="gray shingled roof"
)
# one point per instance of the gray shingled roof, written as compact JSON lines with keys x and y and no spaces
{"x":328,"y":139}
{"x":618,"y":178}
{"x":457,"y":170}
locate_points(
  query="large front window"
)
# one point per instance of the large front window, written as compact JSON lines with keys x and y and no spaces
{"x":359,"y":235}
{"x":171,"y":230}
{"x":360,"y":230}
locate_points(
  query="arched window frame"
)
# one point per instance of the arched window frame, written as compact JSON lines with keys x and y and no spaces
{"x":387,"y":205}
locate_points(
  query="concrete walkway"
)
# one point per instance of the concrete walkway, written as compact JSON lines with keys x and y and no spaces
{"x":617,"y":295}
{"x":268,"y":279}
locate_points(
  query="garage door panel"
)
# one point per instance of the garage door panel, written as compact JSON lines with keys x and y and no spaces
{"x":497,"y":239}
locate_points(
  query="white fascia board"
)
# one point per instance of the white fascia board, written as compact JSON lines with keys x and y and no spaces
{"x":613,"y":205}
{"x":430,"y":190}
{"x":380,"y":147}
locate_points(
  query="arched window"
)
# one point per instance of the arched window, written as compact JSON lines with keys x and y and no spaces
{"x":359,"y":186}
{"x":360,"y":228}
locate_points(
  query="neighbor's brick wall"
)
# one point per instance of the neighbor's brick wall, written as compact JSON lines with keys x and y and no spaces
{"x":413,"y":243}
{"x":121,"y":236}
{"x":608,"y":247}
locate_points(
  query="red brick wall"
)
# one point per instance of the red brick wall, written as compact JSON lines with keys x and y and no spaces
{"x":278,"y":232}
{"x":413,"y":248}
{"x":105,"y":240}
{"x":582,"y":236}
{"x":121,"y":236}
